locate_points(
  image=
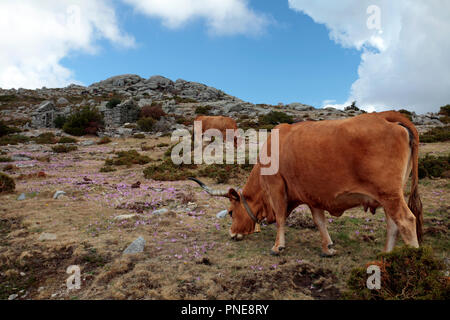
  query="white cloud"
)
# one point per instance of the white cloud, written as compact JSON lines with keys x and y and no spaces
{"x":222,"y":17}
{"x":410,"y":65}
{"x":37,"y":35}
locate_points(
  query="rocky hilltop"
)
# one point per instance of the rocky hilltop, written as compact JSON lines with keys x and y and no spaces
{"x":39,"y":108}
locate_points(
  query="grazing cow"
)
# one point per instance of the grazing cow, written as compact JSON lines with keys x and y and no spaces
{"x":335,"y":165}
{"x":218,"y":122}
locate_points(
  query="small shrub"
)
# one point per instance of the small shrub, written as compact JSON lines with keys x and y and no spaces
{"x":406,"y":113}
{"x":13,"y":139}
{"x":406,"y":274}
{"x":221,"y":173}
{"x":107,"y":169}
{"x":8,"y":98}
{"x":113,"y":103}
{"x":179,"y":99}
{"x":445,"y":110}
{"x":104,"y":140}
{"x":155,"y":112}
{"x":433,"y":167}
{"x":203,"y":110}
{"x":9,"y":167}
{"x":275,"y":117}
{"x":127,"y":158}
{"x":46,"y":138}
{"x":139,"y":136}
{"x":5,"y":129}
{"x":67,"y":140}
{"x":7,"y":183}
{"x":352,"y":107}
{"x":183,"y":120}
{"x":86,"y":121}
{"x":63,"y":148}
{"x":146,"y":124}
{"x":59,"y":121}
{"x":168,"y":171}
{"x":438,"y":134}
{"x":5,"y":159}
{"x":162,"y":145}
{"x":444,"y":113}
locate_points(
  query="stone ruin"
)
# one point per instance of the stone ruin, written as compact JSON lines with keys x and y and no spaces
{"x":125,"y":112}
{"x":46,"y":113}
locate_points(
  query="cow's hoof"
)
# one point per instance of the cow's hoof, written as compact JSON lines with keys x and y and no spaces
{"x":329,"y":254}
{"x":276,"y":252}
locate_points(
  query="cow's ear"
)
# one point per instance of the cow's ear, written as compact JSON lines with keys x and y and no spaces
{"x":233,"y":195}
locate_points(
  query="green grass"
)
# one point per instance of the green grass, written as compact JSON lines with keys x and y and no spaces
{"x":61,"y":148}
{"x":435,"y":167}
{"x":127,"y":158}
{"x":438,"y":134}
{"x":406,"y":274}
{"x":13,"y":139}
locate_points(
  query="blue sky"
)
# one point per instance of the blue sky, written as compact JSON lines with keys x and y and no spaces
{"x":383,"y":54}
{"x":293,"y":60}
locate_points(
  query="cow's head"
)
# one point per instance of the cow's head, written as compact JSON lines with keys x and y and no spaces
{"x":243,"y":219}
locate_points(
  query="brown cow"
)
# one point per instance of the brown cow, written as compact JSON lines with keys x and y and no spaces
{"x":218,"y":122}
{"x":335,"y":165}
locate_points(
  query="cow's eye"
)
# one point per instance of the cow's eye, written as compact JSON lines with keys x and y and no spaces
{"x":230,"y":213}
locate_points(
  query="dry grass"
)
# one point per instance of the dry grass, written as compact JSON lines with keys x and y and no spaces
{"x":188,"y":254}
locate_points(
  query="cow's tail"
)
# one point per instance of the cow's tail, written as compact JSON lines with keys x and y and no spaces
{"x":414,"y":202}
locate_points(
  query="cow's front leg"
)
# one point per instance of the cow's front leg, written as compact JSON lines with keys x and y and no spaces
{"x":280,"y":243}
{"x":321,"y":223}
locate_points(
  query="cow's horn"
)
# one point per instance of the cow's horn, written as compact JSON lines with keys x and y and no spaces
{"x":216,"y":193}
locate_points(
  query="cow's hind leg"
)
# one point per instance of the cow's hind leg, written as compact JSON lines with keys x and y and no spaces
{"x":321,"y":223}
{"x":404,"y":220}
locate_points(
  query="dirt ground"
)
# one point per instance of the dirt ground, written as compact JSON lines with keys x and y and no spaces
{"x":188,"y":253}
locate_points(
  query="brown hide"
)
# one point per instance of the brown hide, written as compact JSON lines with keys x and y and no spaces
{"x":336,"y":165}
{"x":217,"y":122}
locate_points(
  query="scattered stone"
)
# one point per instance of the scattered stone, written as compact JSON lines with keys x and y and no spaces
{"x":222,"y":214}
{"x":25,"y":165}
{"x":13,"y":296}
{"x":136,"y":246}
{"x":191,"y":206}
{"x":47,"y":236}
{"x":22,"y":197}
{"x":58,"y":193}
{"x":62,"y":101}
{"x":20,"y":157}
{"x":87,"y":143}
{"x":160,"y":211}
{"x":125,"y":217}
{"x":136,"y":185}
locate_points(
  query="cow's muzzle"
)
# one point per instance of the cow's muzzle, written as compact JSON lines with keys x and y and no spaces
{"x":236,"y":236}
